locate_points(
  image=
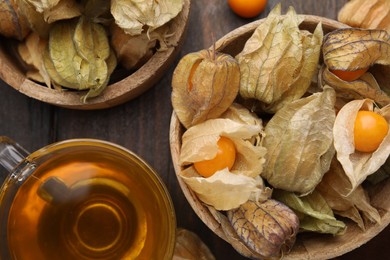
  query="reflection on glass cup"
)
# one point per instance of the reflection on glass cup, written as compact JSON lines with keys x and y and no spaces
{"x":83,"y":199}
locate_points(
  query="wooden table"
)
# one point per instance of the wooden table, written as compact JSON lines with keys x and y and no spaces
{"x":142,"y":125}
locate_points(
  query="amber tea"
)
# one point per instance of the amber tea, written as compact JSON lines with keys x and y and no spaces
{"x":89,"y":203}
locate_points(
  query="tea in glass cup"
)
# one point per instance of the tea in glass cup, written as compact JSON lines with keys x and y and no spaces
{"x":85,"y":199}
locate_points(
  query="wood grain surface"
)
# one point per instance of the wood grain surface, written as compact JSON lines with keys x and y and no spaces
{"x":142,"y":124}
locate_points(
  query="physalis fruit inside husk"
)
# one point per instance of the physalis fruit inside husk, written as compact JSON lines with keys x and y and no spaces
{"x":308,"y":150}
{"x":358,"y":165}
{"x":279,"y":60}
{"x":226,"y":189}
{"x":79,"y":54}
{"x":204,"y":85}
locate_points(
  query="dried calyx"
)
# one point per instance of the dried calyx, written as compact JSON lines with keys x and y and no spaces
{"x":204,"y":85}
{"x":372,"y":14}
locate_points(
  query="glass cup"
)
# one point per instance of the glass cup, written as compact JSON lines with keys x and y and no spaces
{"x":83,"y":199}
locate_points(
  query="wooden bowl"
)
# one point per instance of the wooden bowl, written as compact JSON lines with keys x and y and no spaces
{"x":124,"y":85}
{"x":307,"y":246}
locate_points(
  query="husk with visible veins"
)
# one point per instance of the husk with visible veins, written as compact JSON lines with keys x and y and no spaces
{"x":279,"y":60}
{"x":226,"y":189}
{"x":268,"y":228}
{"x":372,"y":14}
{"x":358,"y":165}
{"x":334,"y":188}
{"x":365,"y":87}
{"x":351,"y":49}
{"x":134,"y":16}
{"x":31,"y":51}
{"x":79,"y":56}
{"x":204,"y":85}
{"x":299,"y":142}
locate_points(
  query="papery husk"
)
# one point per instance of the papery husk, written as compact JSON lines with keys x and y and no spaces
{"x":351,"y":49}
{"x":35,"y":20}
{"x":279,"y":60}
{"x":204,"y":85}
{"x":41,"y":14}
{"x":226,"y":189}
{"x":13,"y":22}
{"x":372,"y":14}
{"x":63,"y":53}
{"x":299,"y":143}
{"x":314,"y":213}
{"x":232,"y":237}
{"x":132,"y":51}
{"x":134,"y":16}
{"x":79,"y":56}
{"x":31,"y":51}
{"x":311,"y":45}
{"x":358,"y":165}
{"x":268,"y":228}
{"x":241,"y":114}
{"x":42,"y":5}
{"x":335,"y":187}
{"x":199,"y":143}
{"x":65,"y":9}
{"x":365,"y":87}
{"x":190,"y":246}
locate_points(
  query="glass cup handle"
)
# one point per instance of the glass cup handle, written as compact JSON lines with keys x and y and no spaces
{"x":11,"y":153}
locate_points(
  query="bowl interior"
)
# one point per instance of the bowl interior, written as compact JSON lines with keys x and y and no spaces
{"x":307,"y":246}
{"x":124,"y":85}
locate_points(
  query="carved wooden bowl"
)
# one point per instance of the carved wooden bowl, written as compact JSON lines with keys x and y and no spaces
{"x":308,"y":246}
{"x":123,"y":86}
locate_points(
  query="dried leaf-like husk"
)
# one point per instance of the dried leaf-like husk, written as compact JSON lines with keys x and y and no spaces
{"x":299,"y":143}
{"x":269,"y":228}
{"x":225,"y":189}
{"x":13,"y":22}
{"x":365,"y":87}
{"x":133,"y":16}
{"x":311,"y":45}
{"x":63,"y":53}
{"x":352,"y":49}
{"x":204,"y":85}
{"x":279,"y":60}
{"x":65,"y":9}
{"x":94,"y":91}
{"x":42,"y":5}
{"x":51,"y":70}
{"x":190,"y":246}
{"x":34,"y":19}
{"x":200,"y":143}
{"x":31,"y":51}
{"x":232,"y":237}
{"x":132,"y":51}
{"x":372,"y":14}
{"x":358,"y":165}
{"x":335,"y":187}
{"x":79,"y":56}
{"x":314,"y":213}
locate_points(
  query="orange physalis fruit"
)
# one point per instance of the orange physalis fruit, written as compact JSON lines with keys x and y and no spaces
{"x":369,"y":131}
{"x":225,"y":157}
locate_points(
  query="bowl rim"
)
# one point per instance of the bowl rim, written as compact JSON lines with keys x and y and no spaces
{"x":204,"y":213}
{"x":116,"y":93}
